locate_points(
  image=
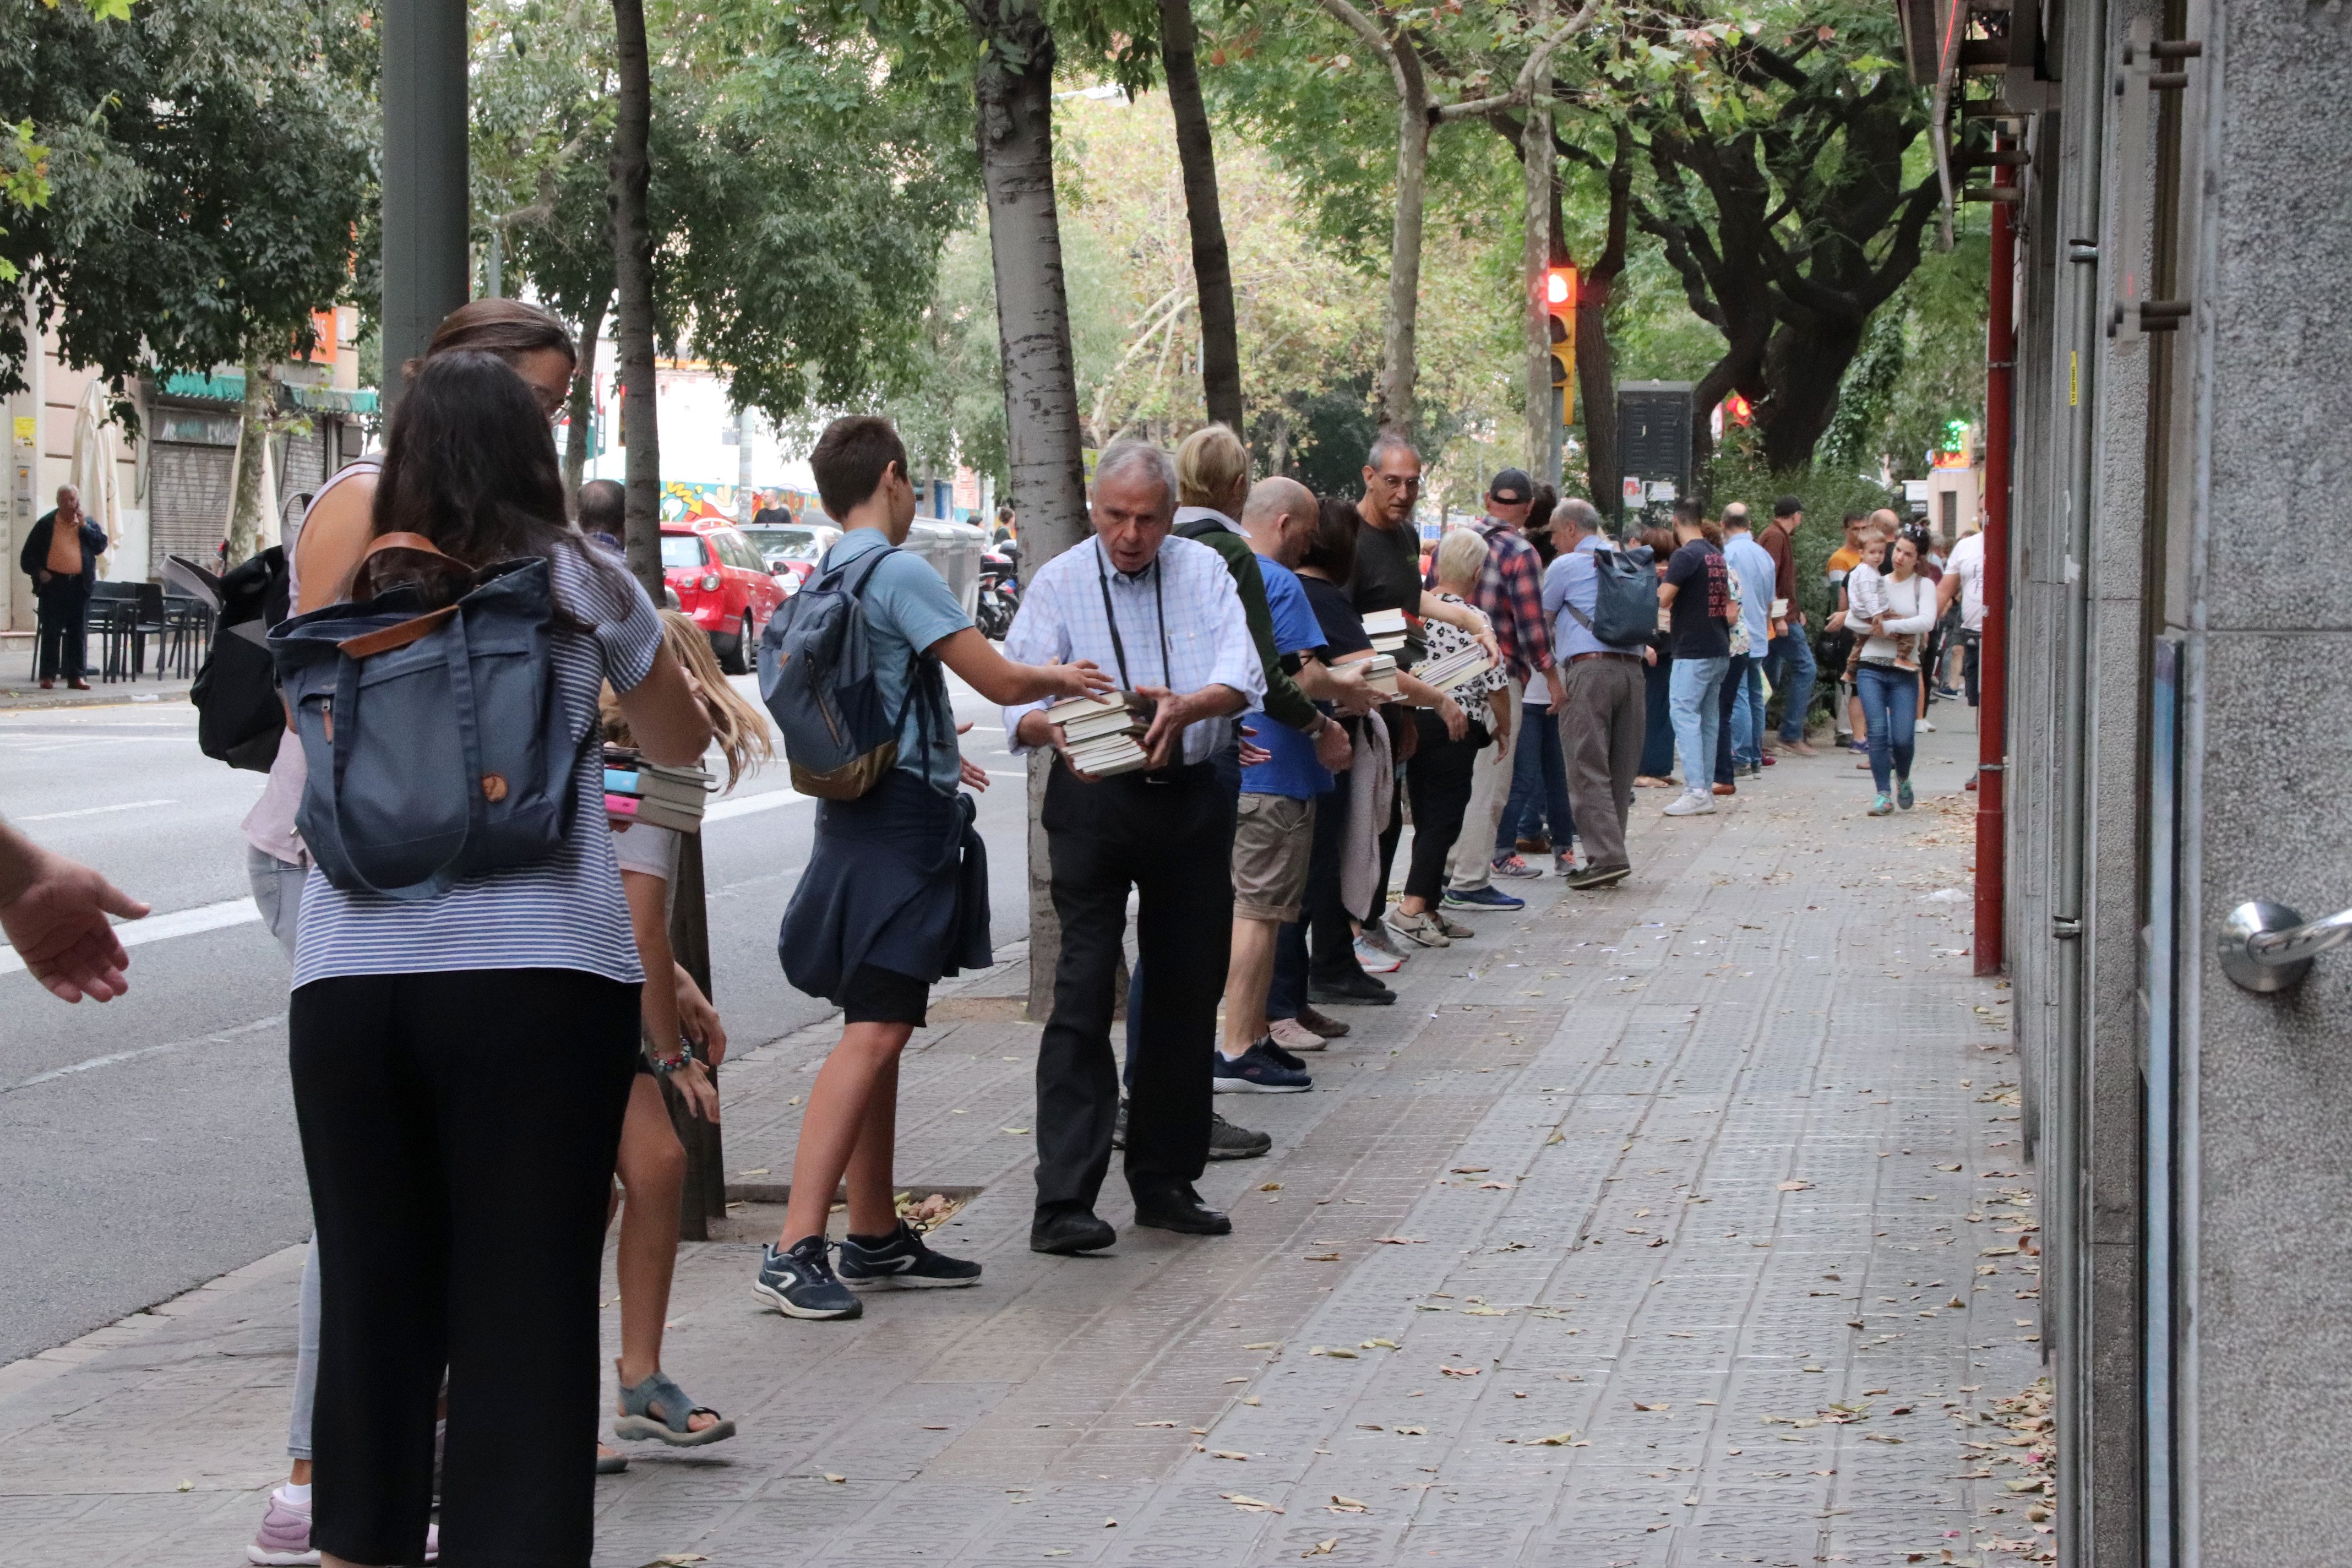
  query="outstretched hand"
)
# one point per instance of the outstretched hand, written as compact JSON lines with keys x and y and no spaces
{"x":54,"y":916}
{"x":1082,"y":678}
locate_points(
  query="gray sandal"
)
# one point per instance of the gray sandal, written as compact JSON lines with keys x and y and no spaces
{"x":637,"y":1423}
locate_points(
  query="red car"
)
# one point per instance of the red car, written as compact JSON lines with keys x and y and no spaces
{"x":723,"y":586}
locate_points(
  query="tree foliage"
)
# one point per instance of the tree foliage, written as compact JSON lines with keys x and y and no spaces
{"x":209,"y":164}
{"x":801,"y":187}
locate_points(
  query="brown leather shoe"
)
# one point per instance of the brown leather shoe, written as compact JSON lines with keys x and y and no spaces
{"x":78,"y":685}
{"x":48,"y":686}
{"x":1322,"y":1024}
{"x":1727,"y":789}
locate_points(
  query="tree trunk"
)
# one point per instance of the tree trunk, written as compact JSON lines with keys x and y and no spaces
{"x":1536,"y":158}
{"x":245,"y":501}
{"x":1596,"y":359}
{"x":1213,"y":272}
{"x":1804,"y":364}
{"x":583,"y":398}
{"x":1399,"y":365}
{"x":633,"y":278}
{"x":1015,"y":90}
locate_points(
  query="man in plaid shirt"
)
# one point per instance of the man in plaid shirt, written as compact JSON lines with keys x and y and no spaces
{"x":1510,"y":592}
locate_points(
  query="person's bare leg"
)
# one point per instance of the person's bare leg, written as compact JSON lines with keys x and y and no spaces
{"x":838,"y":1105}
{"x":653,"y":1175}
{"x":1412,"y":904}
{"x":1249,"y":975}
{"x":873,"y":1195}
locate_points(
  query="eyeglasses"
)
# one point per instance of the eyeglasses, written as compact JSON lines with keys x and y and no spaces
{"x":1400,"y":481}
{"x":551,"y":403}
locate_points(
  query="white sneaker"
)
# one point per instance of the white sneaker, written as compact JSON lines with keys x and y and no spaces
{"x":1924,"y":725}
{"x":1688,"y":804}
{"x":1374,"y":960}
{"x":1293,"y":1036}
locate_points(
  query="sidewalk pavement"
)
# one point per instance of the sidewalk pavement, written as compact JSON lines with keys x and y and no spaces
{"x":1684,"y":1223}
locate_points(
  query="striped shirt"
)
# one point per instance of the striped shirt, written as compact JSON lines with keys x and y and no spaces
{"x":565,"y":913}
{"x":1204,"y":641}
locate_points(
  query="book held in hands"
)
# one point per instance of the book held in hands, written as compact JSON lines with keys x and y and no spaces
{"x":639,"y":790}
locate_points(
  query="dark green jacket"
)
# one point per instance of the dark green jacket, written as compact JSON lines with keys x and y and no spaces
{"x":1284,"y":703}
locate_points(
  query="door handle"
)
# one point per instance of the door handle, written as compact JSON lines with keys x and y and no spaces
{"x":2268,"y":947}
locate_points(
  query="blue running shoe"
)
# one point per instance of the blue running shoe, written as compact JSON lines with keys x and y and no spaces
{"x":901,"y":1261}
{"x":1255,"y":1072}
{"x":800,"y":1283}
{"x":1482,"y":899}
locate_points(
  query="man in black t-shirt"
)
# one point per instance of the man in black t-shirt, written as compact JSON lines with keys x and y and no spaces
{"x":1697,"y":594}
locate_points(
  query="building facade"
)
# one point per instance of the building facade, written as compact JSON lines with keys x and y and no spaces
{"x":2174,"y":748}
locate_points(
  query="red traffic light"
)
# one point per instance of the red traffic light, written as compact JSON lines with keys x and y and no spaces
{"x":1559,"y":287}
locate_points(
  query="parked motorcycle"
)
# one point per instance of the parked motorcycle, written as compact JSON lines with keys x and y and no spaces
{"x":1000,"y":590}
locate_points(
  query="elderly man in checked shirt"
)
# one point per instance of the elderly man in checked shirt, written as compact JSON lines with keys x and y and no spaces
{"x":1163,"y":612}
{"x":1510,"y":592}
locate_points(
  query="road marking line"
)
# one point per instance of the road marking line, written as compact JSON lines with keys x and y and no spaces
{"x":93,"y":1063}
{"x":767,"y":800}
{"x":97,"y":810}
{"x":161,"y":928}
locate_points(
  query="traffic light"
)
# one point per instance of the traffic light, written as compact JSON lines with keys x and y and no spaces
{"x":1560,"y":307}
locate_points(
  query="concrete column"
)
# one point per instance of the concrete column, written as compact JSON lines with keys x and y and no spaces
{"x":427,"y":204}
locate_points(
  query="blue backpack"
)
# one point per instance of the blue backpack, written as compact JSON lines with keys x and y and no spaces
{"x":1626,"y":598}
{"x":818,"y":678}
{"x":428,"y":716}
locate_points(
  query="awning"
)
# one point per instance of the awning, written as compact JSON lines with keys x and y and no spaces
{"x":230,"y":387}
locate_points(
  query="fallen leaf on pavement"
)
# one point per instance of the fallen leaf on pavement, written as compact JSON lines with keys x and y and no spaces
{"x":1155,"y":1424}
{"x":1661,"y":1404}
{"x":677,"y":1559}
{"x":1321,"y":1548}
{"x":1461,"y":1371}
{"x":1347,"y":1505}
{"x":1472,"y":1169}
{"x":187,"y":1486}
{"x":1415,"y":1240}
{"x":1380,"y":1345}
{"x":1794,"y":1186}
{"x":1252,"y":1399}
{"x":1249,"y":1504}
{"x":1499,"y":1187}
{"x":837,"y":1480}
{"x":1337,"y":1351}
{"x":1227,"y":1454}
{"x":1486,"y":1311}
{"x":1320,"y":1258}
{"x":1265,"y":1345}
{"x":1413,"y":1431}
{"x":1557,"y":1440}
{"x":754,"y":1171}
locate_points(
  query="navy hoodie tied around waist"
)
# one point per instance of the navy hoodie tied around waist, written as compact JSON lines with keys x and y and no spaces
{"x":898,"y":880}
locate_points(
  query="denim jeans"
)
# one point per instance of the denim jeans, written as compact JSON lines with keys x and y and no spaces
{"x":1539,"y":803}
{"x":1694,"y":700}
{"x":1890,"y":700}
{"x":1658,"y":736}
{"x":1731,"y":700}
{"x":1788,"y":666}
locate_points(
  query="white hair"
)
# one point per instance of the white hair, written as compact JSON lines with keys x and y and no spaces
{"x":1122,"y":456}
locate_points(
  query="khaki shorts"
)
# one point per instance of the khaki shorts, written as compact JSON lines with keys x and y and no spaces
{"x":1273,"y":838}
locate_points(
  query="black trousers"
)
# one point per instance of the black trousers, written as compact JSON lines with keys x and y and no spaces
{"x":64,"y":647}
{"x":1172,"y":842}
{"x":1322,"y":913}
{"x":459,"y":1131}
{"x":1438,"y":780}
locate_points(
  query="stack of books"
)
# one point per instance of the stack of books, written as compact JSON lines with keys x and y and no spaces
{"x":1387,"y":630}
{"x":1103,"y":731}
{"x":1381,"y":673}
{"x":1452,"y":672}
{"x":639,"y":790}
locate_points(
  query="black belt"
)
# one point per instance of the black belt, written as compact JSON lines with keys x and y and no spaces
{"x":1174,"y":773}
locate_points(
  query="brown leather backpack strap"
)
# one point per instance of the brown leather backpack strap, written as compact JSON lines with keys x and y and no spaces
{"x":385,"y":639}
{"x":401,"y":542}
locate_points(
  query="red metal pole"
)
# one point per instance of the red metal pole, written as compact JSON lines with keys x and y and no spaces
{"x":1992,"y":649}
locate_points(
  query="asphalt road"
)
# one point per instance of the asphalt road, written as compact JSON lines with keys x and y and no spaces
{"x":148,"y":1145}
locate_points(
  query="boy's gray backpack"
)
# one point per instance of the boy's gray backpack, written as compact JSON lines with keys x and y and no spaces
{"x":1625,"y":598}
{"x":818,"y":678}
{"x":436,"y":745}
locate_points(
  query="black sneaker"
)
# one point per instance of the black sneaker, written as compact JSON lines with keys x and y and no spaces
{"x":1227,"y":1142}
{"x":1254,"y":1072}
{"x":800,"y":1283}
{"x":1282,"y":1057}
{"x":1600,"y":875}
{"x":901,"y":1261}
{"x":1349,"y":990}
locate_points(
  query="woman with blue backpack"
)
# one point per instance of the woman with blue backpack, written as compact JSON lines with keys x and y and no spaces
{"x":463,"y":1042}
{"x":895,"y":893}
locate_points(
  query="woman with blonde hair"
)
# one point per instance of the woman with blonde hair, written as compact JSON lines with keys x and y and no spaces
{"x":677,"y":1018}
